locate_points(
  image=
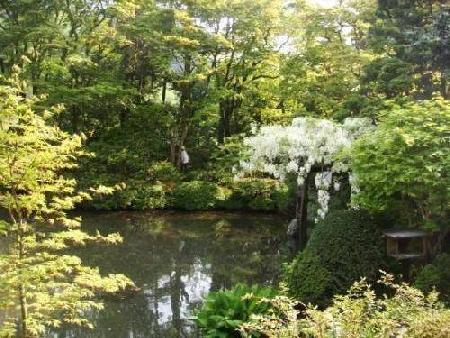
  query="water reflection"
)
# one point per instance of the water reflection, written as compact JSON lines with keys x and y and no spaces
{"x":176,"y":259}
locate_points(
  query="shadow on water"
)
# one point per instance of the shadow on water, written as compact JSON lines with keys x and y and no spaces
{"x":176,"y":258}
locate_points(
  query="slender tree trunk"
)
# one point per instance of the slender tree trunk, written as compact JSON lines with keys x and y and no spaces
{"x":301,"y":212}
{"x":173,"y":151}
{"x":23,"y":311}
{"x":221,"y":125}
{"x":225,"y":112}
{"x":163,"y":92}
{"x":22,"y":289}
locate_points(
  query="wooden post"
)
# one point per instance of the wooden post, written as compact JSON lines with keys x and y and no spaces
{"x":301,"y":212}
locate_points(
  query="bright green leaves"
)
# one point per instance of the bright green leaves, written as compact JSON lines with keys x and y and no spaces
{"x":322,"y":76}
{"x":4,"y":227}
{"x":225,"y":311}
{"x":406,"y":162}
{"x":49,"y":287}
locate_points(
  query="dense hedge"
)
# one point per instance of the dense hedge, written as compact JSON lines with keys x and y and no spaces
{"x":260,"y":194}
{"x":194,"y":195}
{"x":169,"y":193}
{"x":345,"y":246}
{"x":135,"y":196}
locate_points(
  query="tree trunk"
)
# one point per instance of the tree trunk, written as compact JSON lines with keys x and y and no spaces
{"x":225,"y":113}
{"x":163,"y":92}
{"x":301,"y":212}
{"x":173,"y":152}
{"x":23,"y":311}
{"x":22,"y":289}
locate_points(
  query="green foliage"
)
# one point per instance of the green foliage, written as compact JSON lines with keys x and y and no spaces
{"x":168,"y":192}
{"x":405,"y":312}
{"x":343,"y":247}
{"x":127,"y":151}
{"x":436,"y":274}
{"x":404,"y":163}
{"x":323,"y":71}
{"x":194,"y":195}
{"x":164,"y":172}
{"x":41,"y":287}
{"x":255,"y":194}
{"x":388,"y":76}
{"x":413,"y":36}
{"x":138,"y":195}
{"x":223,"y":312}
{"x":223,"y":158}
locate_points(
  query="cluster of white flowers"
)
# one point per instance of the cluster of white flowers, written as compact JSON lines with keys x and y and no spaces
{"x":306,"y":144}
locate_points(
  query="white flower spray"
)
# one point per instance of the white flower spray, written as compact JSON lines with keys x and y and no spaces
{"x":305,"y":145}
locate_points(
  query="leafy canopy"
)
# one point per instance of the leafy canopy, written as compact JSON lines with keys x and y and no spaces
{"x":406,"y":161}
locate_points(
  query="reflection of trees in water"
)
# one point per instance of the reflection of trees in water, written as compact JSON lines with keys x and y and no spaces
{"x":170,"y":261}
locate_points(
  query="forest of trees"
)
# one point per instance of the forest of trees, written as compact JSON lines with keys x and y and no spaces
{"x":282,"y":105}
{"x":197,"y":73}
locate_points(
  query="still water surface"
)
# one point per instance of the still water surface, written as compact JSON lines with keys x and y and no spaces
{"x":176,"y":259}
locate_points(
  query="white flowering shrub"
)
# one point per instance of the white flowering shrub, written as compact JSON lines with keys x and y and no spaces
{"x":307,"y":146}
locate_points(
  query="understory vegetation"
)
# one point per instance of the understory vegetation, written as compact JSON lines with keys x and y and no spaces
{"x":334,"y":114}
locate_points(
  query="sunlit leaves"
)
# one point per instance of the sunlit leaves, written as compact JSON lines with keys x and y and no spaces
{"x":50,"y":287}
{"x":407,"y":159}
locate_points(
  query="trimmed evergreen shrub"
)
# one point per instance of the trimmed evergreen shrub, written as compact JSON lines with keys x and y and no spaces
{"x":194,"y":195}
{"x":343,"y":247}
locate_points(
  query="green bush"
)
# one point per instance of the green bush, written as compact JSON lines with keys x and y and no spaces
{"x":435,"y":275}
{"x":223,"y":312}
{"x":149,"y":197}
{"x":255,"y":194}
{"x":402,"y":311}
{"x":135,"y":196}
{"x":345,"y":246}
{"x":120,"y":199}
{"x":194,"y":195}
{"x":163,"y":189}
{"x":164,"y":172}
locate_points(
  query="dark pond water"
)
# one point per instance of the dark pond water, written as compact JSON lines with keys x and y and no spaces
{"x":176,"y":259}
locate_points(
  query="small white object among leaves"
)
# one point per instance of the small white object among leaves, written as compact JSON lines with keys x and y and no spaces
{"x":307,"y":144}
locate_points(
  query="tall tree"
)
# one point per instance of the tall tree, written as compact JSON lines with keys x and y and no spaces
{"x":415,"y":33}
{"x":48,"y":286}
{"x":328,"y":48}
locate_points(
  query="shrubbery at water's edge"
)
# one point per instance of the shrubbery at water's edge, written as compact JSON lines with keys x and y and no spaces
{"x":223,"y":312}
{"x":249,"y":194}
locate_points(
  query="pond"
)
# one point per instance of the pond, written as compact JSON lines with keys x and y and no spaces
{"x":176,"y":259}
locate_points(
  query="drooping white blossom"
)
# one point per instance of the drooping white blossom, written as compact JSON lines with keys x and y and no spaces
{"x":306,"y":144}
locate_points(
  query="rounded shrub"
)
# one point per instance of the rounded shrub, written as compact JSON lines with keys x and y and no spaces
{"x":344,"y":247}
{"x":149,"y":197}
{"x":194,"y":195}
